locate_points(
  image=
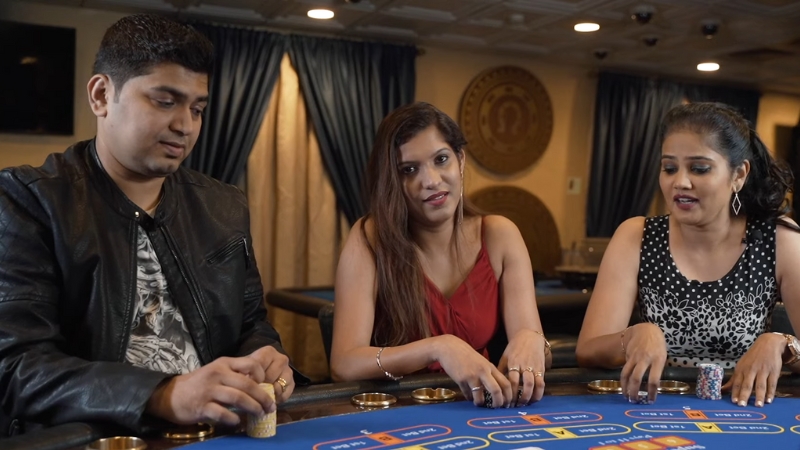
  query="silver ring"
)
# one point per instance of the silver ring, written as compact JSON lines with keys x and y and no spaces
{"x":476,"y":388}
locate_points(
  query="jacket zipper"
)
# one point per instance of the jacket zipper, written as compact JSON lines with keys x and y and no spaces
{"x":131,"y":306}
{"x":194,"y":290}
{"x":229,"y":248}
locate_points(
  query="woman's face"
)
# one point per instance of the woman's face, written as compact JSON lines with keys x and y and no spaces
{"x":696,"y":180}
{"x":430,"y":173}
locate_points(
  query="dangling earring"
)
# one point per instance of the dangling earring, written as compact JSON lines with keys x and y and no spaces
{"x":736,"y":204}
{"x":461,"y":200}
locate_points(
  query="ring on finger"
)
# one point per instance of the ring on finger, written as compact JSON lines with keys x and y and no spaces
{"x":513,"y":369}
{"x":476,"y":388}
{"x":538,"y":374}
{"x":528,"y":369}
{"x":283,"y":384}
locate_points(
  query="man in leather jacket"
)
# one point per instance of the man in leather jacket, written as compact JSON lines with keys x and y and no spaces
{"x":128,"y":286}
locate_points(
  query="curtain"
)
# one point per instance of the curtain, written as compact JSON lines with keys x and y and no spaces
{"x":794,"y":163}
{"x":348,"y":88}
{"x":626,"y":150}
{"x":245,"y":69}
{"x":744,"y":100}
{"x":293,"y":216}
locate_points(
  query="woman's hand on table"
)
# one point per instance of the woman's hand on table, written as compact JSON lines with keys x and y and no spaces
{"x":758,"y":368}
{"x":472,"y":371}
{"x":645,"y":348}
{"x":524,"y":362}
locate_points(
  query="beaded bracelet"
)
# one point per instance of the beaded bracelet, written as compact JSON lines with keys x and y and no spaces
{"x":547,"y":348}
{"x":385,"y":372}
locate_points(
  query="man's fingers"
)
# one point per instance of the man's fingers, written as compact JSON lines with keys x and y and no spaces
{"x":247,"y":366}
{"x":215,"y":413}
{"x":231,"y":397}
{"x":284,"y":386}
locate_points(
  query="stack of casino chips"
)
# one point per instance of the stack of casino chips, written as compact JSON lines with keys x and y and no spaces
{"x":642,"y":398}
{"x":263,"y":426}
{"x":709,"y":382}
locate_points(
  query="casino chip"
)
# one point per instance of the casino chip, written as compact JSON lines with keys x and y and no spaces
{"x":709,"y":382}
{"x":641,"y":398}
{"x":487,"y":399}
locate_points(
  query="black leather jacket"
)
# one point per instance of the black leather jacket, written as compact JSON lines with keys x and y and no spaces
{"x":68,"y":285}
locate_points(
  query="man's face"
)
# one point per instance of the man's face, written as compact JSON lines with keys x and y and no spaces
{"x":151,"y":125}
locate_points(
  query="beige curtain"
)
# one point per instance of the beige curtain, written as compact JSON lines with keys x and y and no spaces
{"x":294,"y":220}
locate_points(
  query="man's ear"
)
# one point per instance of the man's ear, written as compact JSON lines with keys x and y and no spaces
{"x":101,"y":93}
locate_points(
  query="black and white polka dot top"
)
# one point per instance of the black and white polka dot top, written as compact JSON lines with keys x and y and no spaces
{"x":714,"y":321}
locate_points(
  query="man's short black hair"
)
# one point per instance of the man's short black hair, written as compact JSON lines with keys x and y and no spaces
{"x":135,"y":44}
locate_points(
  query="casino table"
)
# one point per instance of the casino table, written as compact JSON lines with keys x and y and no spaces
{"x":322,"y":417}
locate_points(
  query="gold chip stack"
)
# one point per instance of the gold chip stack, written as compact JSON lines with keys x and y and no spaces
{"x":262,"y":426}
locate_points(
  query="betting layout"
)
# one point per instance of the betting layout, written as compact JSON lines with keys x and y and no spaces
{"x":597,"y":422}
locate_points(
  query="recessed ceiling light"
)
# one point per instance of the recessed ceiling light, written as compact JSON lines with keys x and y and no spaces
{"x":586,"y":27}
{"x":320,"y":13}
{"x":708,"y":67}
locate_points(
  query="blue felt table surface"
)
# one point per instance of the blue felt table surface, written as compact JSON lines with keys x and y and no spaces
{"x":604,"y":422}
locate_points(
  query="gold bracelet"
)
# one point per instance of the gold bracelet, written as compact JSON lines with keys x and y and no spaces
{"x":385,"y":372}
{"x":622,"y":342}
{"x":547,"y":348}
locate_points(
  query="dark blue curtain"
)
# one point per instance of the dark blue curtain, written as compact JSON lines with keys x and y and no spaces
{"x":247,"y":64}
{"x":626,"y":150}
{"x":348,"y":88}
{"x":743,"y":100}
{"x":794,"y":163}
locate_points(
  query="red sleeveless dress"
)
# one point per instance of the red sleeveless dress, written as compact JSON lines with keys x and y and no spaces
{"x":472,"y":312}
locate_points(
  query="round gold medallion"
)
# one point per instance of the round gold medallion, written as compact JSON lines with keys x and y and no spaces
{"x":507,"y":119}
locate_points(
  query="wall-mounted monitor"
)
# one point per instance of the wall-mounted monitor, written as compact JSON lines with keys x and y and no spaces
{"x":37,"y":79}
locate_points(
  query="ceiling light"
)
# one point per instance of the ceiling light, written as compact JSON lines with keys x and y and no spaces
{"x":708,"y":67}
{"x":586,"y":27}
{"x":320,"y":13}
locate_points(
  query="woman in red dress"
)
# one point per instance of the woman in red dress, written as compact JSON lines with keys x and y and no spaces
{"x":423,"y":280}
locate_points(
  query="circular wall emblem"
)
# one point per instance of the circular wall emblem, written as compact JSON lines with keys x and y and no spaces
{"x":507,"y":119}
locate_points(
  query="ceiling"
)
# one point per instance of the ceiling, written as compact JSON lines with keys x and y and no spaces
{"x":757,"y":43}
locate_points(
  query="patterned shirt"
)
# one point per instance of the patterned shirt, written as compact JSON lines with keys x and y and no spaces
{"x":708,"y":321}
{"x":159,"y":338}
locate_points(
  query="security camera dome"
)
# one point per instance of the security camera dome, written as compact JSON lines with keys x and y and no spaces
{"x":709,"y":29}
{"x":643,"y":14}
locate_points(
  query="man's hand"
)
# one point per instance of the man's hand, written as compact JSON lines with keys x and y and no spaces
{"x":206,"y":394}
{"x":276,"y":371}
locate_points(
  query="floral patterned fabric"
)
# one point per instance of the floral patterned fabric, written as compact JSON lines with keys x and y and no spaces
{"x":714,"y":321}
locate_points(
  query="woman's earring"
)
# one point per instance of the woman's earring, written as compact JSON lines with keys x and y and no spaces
{"x":461,"y":199}
{"x":736,"y":204}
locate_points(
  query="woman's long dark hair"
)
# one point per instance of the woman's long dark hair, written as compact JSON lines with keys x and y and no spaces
{"x":401,"y":311}
{"x":763,"y":195}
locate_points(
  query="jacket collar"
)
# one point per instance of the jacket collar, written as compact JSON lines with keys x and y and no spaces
{"x":120,"y":202}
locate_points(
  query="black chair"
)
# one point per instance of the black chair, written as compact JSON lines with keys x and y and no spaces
{"x":780,"y":321}
{"x":325,"y":317}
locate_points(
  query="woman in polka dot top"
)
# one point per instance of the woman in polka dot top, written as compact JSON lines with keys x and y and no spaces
{"x":707,"y":275}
